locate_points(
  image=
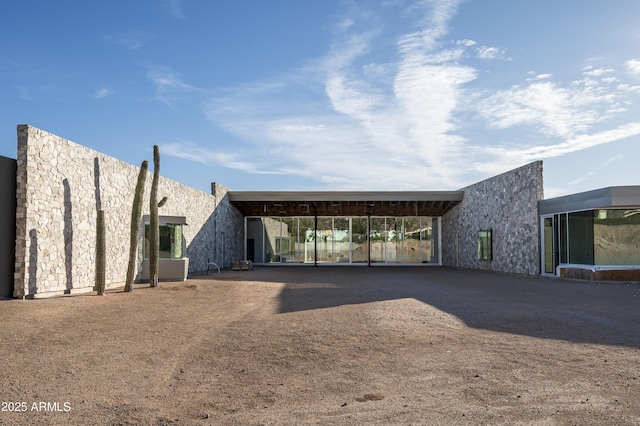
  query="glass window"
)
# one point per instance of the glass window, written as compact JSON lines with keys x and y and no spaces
{"x":342,"y":240}
{"x":288,"y":244}
{"x":395,"y":240}
{"x":378,"y":237}
{"x":360,"y":245}
{"x":324,"y":240}
{"x":581,"y":238}
{"x":412,"y":243}
{"x":616,"y":235}
{"x":434,"y":240}
{"x":484,"y":244}
{"x":272,"y":234}
{"x":549,"y":258}
{"x":425,"y":236}
{"x":170,"y":240}
{"x":307,"y":238}
{"x":563,"y":239}
{"x":255,"y":236}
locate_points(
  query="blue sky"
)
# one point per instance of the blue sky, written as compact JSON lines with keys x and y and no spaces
{"x":333,"y":95}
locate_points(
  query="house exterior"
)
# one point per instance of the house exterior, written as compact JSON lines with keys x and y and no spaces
{"x":592,"y":235}
{"x":499,"y":224}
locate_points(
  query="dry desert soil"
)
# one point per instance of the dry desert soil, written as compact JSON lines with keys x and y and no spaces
{"x":327,"y":346}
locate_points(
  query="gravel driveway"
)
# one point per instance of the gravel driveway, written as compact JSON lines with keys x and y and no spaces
{"x":327,"y":345}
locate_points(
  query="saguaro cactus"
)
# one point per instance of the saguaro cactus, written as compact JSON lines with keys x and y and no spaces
{"x":154,"y":241}
{"x":101,"y":254}
{"x":136,"y":218}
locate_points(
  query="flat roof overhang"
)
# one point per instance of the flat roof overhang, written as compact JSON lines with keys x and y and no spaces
{"x":327,"y":203}
{"x":613,"y":197}
{"x":174,"y":220}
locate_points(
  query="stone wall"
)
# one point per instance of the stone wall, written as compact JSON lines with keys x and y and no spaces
{"x":508,"y":205}
{"x":228,"y":228}
{"x":7,"y":224}
{"x":60,"y":187}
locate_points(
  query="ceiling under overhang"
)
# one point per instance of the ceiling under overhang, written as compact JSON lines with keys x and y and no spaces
{"x":414,"y":203}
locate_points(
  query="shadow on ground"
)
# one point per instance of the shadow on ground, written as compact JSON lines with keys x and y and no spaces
{"x":589,"y":312}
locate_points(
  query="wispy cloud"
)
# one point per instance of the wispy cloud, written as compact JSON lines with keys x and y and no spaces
{"x":386,"y":123}
{"x":552,"y":109}
{"x":485,"y":52}
{"x":102,"y":93}
{"x":466,"y":43}
{"x":190,"y":151}
{"x":594,"y":171}
{"x":577,"y":143}
{"x":633,"y":66}
{"x":597,"y":72}
{"x":351,"y":121}
{"x":538,"y":76}
{"x":343,"y":25}
{"x":169,"y":85}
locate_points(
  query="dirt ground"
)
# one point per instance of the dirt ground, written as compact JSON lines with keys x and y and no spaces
{"x":329,"y":346}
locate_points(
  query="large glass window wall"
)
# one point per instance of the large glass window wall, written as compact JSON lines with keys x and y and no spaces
{"x":616,"y":237}
{"x":592,"y":237}
{"x":343,"y":240}
{"x":359,"y":240}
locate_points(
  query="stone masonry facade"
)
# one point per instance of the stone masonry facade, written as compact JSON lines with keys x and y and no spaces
{"x":60,"y":187}
{"x":508,"y":205}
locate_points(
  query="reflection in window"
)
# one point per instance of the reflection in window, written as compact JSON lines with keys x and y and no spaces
{"x":170,"y":239}
{"x":408,"y":240}
{"x":395,"y":240}
{"x":563,"y":238}
{"x":412,"y":243}
{"x":434,"y":240}
{"x":307,"y":237}
{"x":272,"y":230}
{"x":288,"y":243}
{"x":360,"y":247}
{"x":378,"y":236}
{"x":484,"y":244}
{"x":254,"y":243}
{"x":581,"y":238}
{"x":616,"y":235}
{"x":324,"y":239}
{"x":341,"y":243}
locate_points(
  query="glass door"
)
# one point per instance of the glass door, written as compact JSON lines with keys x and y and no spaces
{"x":549,"y":260}
{"x":359,"y":240}
{"x":341,"y":240}
{"x":378,"y":237}
{"x":412,"y":240}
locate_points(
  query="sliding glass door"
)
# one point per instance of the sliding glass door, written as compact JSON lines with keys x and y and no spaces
{"x":342,"y":240}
